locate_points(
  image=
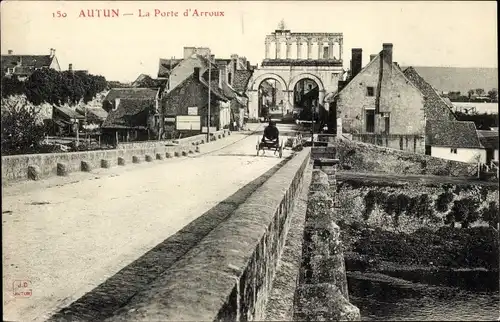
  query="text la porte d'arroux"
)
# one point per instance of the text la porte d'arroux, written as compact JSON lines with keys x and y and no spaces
{"x":113,"y":13}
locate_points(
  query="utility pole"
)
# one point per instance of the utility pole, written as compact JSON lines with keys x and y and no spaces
{"x":209,"y":90}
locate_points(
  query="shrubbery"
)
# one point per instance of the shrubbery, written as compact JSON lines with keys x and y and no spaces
{"x":22,"y":130}
{"x":464,"y":211}
{"x":53,"y":87}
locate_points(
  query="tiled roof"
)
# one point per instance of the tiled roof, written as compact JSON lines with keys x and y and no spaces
{"x":489,"y":139}
{"x":166,"y":65}
{"x":435,"y":107}
{"x":94,"y":113}
{"x":241,"y":79}
{"x":69,"y":112}
{"x":131,"y":93}
{"x":130,"y":114}
{"x":454,"y":134}
{"x":215,"y":89}
{"x":30,"y":61}
{"x":146,"y":81}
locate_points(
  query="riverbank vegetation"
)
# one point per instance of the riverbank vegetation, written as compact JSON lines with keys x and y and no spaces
{"x":448,"y":226}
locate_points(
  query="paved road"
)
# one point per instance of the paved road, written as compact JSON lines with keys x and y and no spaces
{"x":67,"y":235}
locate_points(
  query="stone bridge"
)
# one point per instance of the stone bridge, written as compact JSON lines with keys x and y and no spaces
{"x":216,"y":234}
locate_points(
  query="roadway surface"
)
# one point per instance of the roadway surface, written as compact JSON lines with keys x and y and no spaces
{"x":68,"y":235}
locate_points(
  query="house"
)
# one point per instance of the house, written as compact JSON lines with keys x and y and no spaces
{"x":185,"y":67}
{"x":379,"y":99}
{"x":133,"y":114}
{"x":65,"y":121}
{"x":116,"y":94}
{"x":22,"y":66}
{"x":131,"y":119}
{"x":146,"y":81}
{"x":185,"y":107}
{"x":454,"y":140}
{"x":93,"y":115}
{"x":489,"y":141}
{"x":436,"y":107}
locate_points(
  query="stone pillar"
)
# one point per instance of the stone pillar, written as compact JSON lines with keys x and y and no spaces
{"x":320,"y":50}
{"x":278,"y":49}
{"x":309,"y":49}
{"x":253,"y":104}
{"x":288,"y":49}
{"x":330,"y":49}
{"x":268,"y":44}
{"x":299,"y":44}
{"x":341,"y":44}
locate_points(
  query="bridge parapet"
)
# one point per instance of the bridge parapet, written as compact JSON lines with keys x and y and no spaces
{"x":228,"y":275}
{"x":322,"y":293}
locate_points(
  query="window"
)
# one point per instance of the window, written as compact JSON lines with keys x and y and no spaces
{"x":325,"y":52}
{"x":454,"y":151}
{"x":370,"y":121}
{"x":370,"y":91}
{"x":10,"y":70}
{"x":387,"y":124}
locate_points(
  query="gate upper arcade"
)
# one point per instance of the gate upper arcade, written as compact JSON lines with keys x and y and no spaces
{"x":325,"y":68}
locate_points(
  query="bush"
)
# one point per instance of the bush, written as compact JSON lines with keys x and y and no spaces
{"x":464,"y":211}
{"x":443,"y":201}
{"x":21,"y":129}
{"x":491,"y":214}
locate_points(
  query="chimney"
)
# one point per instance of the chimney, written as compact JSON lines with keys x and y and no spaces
{"x":212,"y":58}
{"x":387,"y":51}
{"x":52,"y":52}
{"x":196,"y":73}
{"x":10,"y":51}
{"x":70,"y":67}
{"x":357,"y":60}
{"x":117,"y":103}
{"x":372,"y":56}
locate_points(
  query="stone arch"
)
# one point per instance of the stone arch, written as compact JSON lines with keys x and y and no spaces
{"x":302,"y":76}
{"x":259,"y":79}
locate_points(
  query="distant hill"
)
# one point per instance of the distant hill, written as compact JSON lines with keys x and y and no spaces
{"x":454,"y":79}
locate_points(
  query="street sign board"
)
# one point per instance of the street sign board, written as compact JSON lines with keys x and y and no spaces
{"x":188,"y":122}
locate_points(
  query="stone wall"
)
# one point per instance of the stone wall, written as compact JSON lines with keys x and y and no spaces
{"x":229,"y":273}
{"x":365,"y":157}
{"x":17,"y":167}
{"x":322,"y":292}
{"x":39,"y":166}
{"x":410,"y":143}
{"x":191,"y":140}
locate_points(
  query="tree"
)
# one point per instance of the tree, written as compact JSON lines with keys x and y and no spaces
{"x":493,"y":95}
{"x":22,"y":130}
{"x":58,"y":88}
{"x":12,"y":86}
{"x":470,"y":93}
{"x":479,"y":91}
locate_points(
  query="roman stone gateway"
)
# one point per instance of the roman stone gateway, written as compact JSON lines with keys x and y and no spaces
{"x":304,"y":68}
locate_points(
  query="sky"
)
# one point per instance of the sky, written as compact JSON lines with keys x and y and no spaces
{"x":426,"y":33}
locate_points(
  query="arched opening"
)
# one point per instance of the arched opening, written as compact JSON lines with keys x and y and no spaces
{"x":271,"y":99}
{"x":306,"y":99}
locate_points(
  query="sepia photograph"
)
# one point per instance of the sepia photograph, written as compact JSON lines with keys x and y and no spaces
{"x":250,"y":161}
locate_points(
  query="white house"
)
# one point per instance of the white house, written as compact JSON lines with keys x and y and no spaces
{"x":489,"y":140}
{"x":455,"y":140}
